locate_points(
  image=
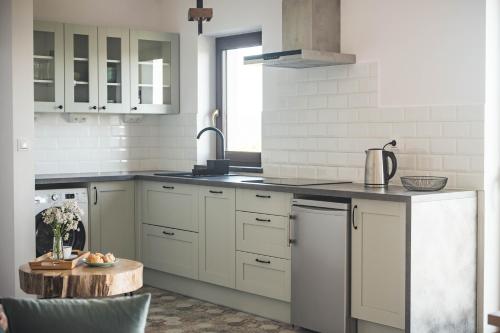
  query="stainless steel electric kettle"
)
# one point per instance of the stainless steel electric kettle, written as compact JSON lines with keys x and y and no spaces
{"x":377,"y":166}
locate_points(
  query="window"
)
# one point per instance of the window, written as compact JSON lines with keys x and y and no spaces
{"x":239,"y":98}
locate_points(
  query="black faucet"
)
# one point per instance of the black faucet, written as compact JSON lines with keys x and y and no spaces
{"x":221,"y":136}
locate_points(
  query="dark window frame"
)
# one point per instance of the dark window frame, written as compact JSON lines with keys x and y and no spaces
{"x":238,"y":158}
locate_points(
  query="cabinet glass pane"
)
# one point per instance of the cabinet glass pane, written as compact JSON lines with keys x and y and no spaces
{"x":43,"y":66}
{"x":114,"y":69}
{"x":81,"y":68}
{"x":154,"y":72}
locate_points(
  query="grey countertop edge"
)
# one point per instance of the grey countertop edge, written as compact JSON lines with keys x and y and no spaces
{"x":353,"y":190}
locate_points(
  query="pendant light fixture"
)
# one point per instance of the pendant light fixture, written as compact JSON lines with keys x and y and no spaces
{"x":200,"y":14}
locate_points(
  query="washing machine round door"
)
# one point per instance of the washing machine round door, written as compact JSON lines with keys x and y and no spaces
{"x":45,"y":236}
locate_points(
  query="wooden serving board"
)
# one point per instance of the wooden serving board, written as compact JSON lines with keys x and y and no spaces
{"x":46,"y":262}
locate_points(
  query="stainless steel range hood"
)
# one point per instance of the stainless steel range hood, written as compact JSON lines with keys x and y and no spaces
{"x":311,"y":36}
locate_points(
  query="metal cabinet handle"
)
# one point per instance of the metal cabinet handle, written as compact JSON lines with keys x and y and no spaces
{"x":168,"y":187}
{"x":262,"y":220}
{"x":354,"y":217}
{"x":215,"y":192}
{"x":168,"y":233}
{"x":291,"y":236}
{"x":263,"y":261}
{"x":95,"y":200}
{"x":263,"y":196}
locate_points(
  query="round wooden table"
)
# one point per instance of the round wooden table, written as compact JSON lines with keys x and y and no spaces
{"x":83,"y":281}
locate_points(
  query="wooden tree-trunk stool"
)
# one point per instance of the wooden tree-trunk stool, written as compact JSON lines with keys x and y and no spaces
{"x":123,"y":277}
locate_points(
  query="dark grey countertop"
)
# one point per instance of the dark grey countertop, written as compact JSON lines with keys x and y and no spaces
{"x":351,"y":190}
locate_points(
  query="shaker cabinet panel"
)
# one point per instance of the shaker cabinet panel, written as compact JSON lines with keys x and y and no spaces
{"x":154,"y":71}
{"x":378,"y":262}
{"x":112,"y":227}
{"x":170,"y":205}
{"x":48,"y":66}
{"x":263,"y":275}
{"x":217,"y":236}
{"x":170,"y":250}
{"x":81,"y":71}
{"x":263,"y":234}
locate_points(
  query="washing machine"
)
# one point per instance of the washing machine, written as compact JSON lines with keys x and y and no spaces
{"x":45,"y":199}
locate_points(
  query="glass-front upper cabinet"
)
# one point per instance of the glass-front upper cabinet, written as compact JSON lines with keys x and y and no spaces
{"x":154,"y":72}
{"x":114,"y":70}
{"x":48,"y":66}
{"x":81,"y":78}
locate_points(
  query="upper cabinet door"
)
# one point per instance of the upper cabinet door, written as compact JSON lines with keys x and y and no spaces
{"x":48,"y":66}
{"x":81,"y":68}
{"x":154,"y":59}
{"x":114,"y":70}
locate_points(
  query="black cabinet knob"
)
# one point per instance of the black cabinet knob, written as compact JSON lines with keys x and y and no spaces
{"x":60,"y":107}
{"x":94,"y":107}
{"x":104,"y":108}
{"x":134,"y":108}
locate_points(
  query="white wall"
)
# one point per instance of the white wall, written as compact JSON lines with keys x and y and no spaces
{"x":17,"y":232}
{"x":489,"y":231}
{"x":430,"y":52}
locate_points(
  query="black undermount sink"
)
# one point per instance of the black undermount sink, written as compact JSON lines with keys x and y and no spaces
{"x":190,"y":175}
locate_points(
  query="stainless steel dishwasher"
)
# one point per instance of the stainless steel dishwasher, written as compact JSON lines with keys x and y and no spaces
{"x":319,"y":236}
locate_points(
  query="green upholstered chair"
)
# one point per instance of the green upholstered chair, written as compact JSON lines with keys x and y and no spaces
{"x":121,"y":314}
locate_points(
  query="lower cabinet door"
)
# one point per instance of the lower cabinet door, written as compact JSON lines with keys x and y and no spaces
{"x":111,"y":224}
{"x":378,"y":262}
{"x":170,"y":250}
{"x":217,"y":236}
{"x":263,"y":275}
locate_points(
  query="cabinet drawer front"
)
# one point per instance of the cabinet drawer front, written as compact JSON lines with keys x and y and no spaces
{"x":262,"y":275}
{"x":275,"y":203}
{"x":170,"y":205}
{"x":170,"y":251}
{"x":262,"y":234}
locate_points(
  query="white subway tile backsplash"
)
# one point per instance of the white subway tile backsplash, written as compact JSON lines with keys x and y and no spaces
{"x":444,"y":113}
{"x":443,"y":146}
{"x":337,"y":72}
{"x":456,"y":130}
{"x":432,"y":140}
{"x":338,"y":101}
{"x":106,"y":143}
{"x":417,"y":114}
{"x":348,"y":86}
{"x":360,"y":101}
{"x":328,"y":87}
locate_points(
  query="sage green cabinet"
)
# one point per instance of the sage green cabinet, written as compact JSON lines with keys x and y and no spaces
{"x":170,"y":250}
{"x":154,"y":69}
{"x":112,"y":218}
{"x":90,"y":69}
{"x":378,"y":262}
{"x":170,"y":205}
{"x":48,"y":66}
{"x":217,"y":236}
{"x":81,"y":71}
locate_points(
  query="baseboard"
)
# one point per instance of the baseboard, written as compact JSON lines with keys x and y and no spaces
{"x":258,"y":305}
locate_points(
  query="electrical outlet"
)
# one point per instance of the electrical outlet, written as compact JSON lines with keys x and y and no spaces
{"x":132,"y":118}
{"x":76,"y":118}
